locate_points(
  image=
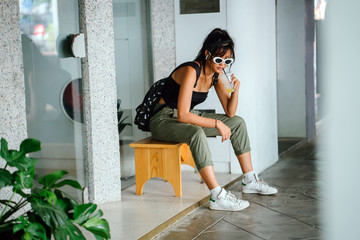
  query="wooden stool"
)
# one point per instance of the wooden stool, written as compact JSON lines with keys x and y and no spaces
{"x":160,"y":159}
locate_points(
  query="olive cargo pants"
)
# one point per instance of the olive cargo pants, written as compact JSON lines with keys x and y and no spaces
{"x":164,"y":126}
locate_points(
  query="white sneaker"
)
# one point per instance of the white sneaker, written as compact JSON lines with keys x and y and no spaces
{"x":227,"y":202}
{"x":258,"y":186}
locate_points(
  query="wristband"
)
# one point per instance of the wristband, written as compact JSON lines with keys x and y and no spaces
{"x":215,"y":123}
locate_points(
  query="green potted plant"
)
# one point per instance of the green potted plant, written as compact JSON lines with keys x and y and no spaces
{"x":121,"y":124}
{"x":52,"y":212}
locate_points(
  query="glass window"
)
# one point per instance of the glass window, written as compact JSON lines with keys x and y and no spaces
{"x":53,"y":86}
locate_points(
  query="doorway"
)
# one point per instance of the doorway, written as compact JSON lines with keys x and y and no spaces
{"x":133,"y":75}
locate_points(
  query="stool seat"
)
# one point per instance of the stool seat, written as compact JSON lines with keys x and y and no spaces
{"x":155,"y":158}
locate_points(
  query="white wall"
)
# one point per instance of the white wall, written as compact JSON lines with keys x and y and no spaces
{"x":339,"y":70}
{"x":252,"y":26}
{"x":291,"y":68}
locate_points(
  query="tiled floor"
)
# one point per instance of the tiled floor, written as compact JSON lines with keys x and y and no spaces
{"x":290,"y":214}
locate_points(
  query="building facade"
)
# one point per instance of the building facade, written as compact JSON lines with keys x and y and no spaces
{"x":74,"y":105}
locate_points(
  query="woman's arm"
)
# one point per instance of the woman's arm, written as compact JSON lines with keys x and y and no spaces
{"x":188,"y":78}
{"x":228,"y":102}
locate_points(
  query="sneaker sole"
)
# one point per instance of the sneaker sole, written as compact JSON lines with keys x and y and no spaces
{"x":233,"y":210}
{"x":244,"y":190}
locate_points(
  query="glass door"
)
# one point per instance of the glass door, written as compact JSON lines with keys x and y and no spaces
{"x":53,"y":86}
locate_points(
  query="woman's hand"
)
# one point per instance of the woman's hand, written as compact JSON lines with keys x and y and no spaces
{"x":224,"y":130}
{"x":235,"y":82}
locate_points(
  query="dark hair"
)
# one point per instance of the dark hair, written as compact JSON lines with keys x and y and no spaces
{"x":218,"y":42}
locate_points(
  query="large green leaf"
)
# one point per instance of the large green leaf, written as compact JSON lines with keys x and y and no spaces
{"x":68,"y":231}
{"x":22,"y":180}
{"x":52,"y":215}
{"x":5,"y":178}
{"x":32,"y":230}
{"x":65,"y":202}
{"x":21,"y":224}
{"x":69,"y":182}
{"x":48,"y":195}
{"x":34,"y":217}
{"x":27,"y":162}
{"x":12,"y":158}
{"x":36,"y":230}
{"x":49,"y":180}
{"x":30,"y":145}
{"x":82,"y":212}
{"x":21,"y":161}
{"x":99,"y":227}
{"x":93,"y":223}
{"x":4,"y":152}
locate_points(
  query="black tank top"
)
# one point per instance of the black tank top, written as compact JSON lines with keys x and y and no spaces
{"x":170,"y":94}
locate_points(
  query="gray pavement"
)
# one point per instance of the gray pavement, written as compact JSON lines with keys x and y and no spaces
{"x":290,"y":214}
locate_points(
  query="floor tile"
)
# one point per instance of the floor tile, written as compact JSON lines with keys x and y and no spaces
{"x":225,"y":230}
{"x":295,"y":205}
{"x":193,"y":225}
{"x":268,"y":224}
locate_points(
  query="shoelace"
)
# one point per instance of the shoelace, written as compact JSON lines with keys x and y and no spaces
{"x":260,"y":184}
{"x":232,"y":197}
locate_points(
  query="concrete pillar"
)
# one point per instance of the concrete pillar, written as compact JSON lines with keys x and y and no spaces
{"x":99,"y":86}
{"x":12,"y":86}
{"x":162,"y":17}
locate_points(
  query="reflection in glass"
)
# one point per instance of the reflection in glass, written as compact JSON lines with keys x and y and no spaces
{"x":39,"y":22}
{"x":72,"y":101}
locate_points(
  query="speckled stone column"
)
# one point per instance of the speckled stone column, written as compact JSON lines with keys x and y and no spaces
{"x":162,"y":14}
{"x":99,"y":86}
{"x":12,"y":87}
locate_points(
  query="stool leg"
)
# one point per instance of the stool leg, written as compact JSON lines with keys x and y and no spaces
{"x":141,"y":169}
{"x":173,"y":169}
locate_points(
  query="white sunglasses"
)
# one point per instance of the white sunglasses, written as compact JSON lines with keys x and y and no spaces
{"x":219,"y":60}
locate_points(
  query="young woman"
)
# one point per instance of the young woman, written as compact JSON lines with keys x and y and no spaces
{"x":187,"y":86}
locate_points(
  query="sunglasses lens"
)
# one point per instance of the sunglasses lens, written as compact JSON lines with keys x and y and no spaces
{"x":218,"y":60}
{"x":228,"y":61}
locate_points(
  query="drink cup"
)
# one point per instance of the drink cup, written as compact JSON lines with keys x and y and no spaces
{"x":225,"y":78}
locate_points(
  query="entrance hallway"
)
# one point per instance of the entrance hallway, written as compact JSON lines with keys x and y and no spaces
{"x":293,"y":213}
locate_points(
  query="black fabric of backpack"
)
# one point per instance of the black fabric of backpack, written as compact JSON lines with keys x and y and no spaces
{"x":146,"y":109}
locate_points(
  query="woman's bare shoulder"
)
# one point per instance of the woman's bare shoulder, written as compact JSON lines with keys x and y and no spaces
{"x":184,"y":73}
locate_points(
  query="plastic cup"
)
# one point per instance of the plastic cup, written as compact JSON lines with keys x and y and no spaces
{"x":225,"y":78}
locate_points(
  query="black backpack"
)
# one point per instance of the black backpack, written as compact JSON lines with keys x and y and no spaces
{"x":146,"y":109}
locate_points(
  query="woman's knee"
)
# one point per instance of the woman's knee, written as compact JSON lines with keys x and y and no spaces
{"x":237,"y":121}
{"x":197,"y":134}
